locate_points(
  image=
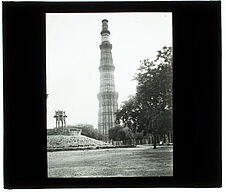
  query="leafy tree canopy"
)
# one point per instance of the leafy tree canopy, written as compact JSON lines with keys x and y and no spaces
{"x":150,"y":109}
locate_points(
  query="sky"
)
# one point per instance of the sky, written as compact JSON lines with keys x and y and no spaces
{"x":73,"y":58}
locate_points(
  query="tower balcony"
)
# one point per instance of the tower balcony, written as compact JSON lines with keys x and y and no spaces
{"x":107,"y":95}
{"x":105,"y":45}
{"x":107,"y":68}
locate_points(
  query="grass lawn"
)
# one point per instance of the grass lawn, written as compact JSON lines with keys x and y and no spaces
{"x":120,"y":162}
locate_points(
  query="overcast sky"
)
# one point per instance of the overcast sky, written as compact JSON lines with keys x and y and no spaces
{"x":73,"y":57}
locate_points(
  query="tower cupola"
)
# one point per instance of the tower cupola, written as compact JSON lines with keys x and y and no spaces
{"x":105,"y":32}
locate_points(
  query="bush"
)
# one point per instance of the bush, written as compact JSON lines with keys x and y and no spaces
{"x":119,"y":133}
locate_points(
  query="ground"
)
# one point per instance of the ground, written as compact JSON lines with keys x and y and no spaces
{"x":119,"y":162}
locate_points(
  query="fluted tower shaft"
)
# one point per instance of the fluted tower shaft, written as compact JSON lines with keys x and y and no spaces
{"x":107,"y":95}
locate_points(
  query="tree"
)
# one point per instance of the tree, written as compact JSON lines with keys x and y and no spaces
{"x":127,"y":136}
{"x":154,"y":92}
{"x":150,"y":110}
{"x":119,"y":133}
{"x":129,"y":113}
{"x":113,"y":133}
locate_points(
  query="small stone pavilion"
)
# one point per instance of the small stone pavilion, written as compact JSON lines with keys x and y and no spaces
{"x":61,"y":128}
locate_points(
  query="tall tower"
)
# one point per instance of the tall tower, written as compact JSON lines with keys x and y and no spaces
{"x":107,"y":96}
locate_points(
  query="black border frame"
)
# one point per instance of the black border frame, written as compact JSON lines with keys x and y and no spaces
{"x":197,"y":94}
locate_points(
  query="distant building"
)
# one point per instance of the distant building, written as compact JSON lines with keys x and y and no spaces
{"x":107,"y":95}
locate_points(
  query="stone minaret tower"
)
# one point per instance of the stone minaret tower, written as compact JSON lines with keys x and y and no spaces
{"x":107,"y":96}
